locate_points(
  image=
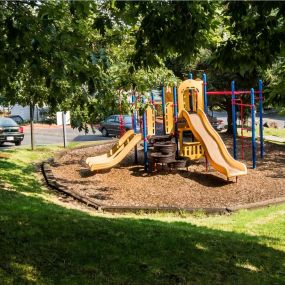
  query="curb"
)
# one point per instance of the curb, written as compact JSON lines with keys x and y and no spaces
{"x":256,"y":205}
{"x":60,"y":153}
{"x":52,"y":183}
{"x":134,"y":209}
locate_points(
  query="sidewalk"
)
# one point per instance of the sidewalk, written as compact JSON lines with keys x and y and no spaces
{"x":274,"y":138}
{"x":45,"y":126}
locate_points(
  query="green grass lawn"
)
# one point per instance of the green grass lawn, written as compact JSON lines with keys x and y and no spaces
{"x":274,"y":132}
{"x":266,"y":132}
{"x":43,"y":243}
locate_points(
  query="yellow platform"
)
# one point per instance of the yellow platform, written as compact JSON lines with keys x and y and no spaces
{"x":191,"y":150}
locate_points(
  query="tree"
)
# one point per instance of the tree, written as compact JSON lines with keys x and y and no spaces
{"x":119,"y":78}
{"x":275,"y":79}
{"x":255,"y":42}
{"x":166,"y":28}
{"x":50,"y":50}
{"x":252,"y":37}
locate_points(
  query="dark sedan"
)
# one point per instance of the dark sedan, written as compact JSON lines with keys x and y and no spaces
{"x":10,"y":131}
{"x":111,"y":125}
{"x":18,"y":119}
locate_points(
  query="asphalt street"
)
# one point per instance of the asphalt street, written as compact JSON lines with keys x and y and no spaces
{"x":54,"y":135}
{"x":279,"y":120}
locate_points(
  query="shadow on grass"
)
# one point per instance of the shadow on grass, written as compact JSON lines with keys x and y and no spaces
{"x":42,"y":243}
{"x":20,"y":178}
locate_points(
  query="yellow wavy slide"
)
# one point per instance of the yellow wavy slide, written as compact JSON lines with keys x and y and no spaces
{"x":117,"y":153}
{"x":213,"y":145}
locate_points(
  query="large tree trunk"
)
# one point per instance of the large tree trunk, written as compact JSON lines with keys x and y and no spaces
{"x":226,"y":105}
{"x":228,"y":108}
{"x":230,"y":120}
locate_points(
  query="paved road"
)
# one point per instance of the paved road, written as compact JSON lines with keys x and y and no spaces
{"x":54,"y":135}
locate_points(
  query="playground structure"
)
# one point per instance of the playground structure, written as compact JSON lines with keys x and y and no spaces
{"x":238,"y":103}
{"x":184,"y":109}
{"x":117,"y":153}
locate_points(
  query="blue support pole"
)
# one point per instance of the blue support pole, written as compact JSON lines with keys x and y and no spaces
{"x":261,"y":120}
{"x":163,"y":107}
{"x":234,"y":120}
{"x":175,"y":117}
{"x":205,"y":93}
{"x":190,"y":76}
{"x":253,"y":142}
{"x":145,"y":142}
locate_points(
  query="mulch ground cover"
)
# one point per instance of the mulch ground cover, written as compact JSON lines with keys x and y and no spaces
{"x":127,"y":185}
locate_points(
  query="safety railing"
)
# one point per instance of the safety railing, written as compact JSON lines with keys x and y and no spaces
{"x":192,"y":150}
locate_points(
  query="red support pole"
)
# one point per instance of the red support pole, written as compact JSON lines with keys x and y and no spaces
{"x":206,"y":163}
{"x":121,"y":119}
{"x":241,"y":105}
{"x":229,"y":92}
{"x":121,"y":126}
{"x":242,"y":137}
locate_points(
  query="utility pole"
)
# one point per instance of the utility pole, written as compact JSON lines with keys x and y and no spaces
{"x":32,"y":125}
{"x":64,"y":128}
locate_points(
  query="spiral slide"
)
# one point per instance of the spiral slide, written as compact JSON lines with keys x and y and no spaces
{"x":213,"y":145}
{"x":118,"y":152}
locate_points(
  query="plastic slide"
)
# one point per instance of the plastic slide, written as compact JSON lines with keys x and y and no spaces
{"x":118,"y":152}
{"x":213,"y":145}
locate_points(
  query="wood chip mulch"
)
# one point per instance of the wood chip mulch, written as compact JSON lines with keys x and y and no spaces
{"x":127,"y":185}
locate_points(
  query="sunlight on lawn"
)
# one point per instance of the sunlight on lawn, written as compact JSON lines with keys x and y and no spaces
{"x":266,"y":132}
{"x":44,"y":243}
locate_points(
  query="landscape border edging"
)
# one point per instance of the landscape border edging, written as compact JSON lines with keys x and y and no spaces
{"x":51,"y":182}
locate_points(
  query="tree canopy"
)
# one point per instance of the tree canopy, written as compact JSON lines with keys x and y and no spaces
{"x":254,"y":43}
{"x":79,"y":54}
{"x":167,"y":27}
{"x":48,"y":50}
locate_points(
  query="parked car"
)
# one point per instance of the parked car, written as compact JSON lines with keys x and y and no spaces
{"x":10,"y":131}
{"x":111,"y":125}
{"x":216,"y":123}
{"x":18,"y":119}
